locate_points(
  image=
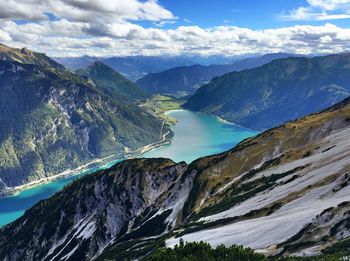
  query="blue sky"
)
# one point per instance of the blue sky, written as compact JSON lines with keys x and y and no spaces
{"x":258,"y":14}
{"x":207,"y":13}
{"x":176,"y":27}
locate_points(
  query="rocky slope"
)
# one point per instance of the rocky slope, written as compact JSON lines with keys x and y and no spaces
{"x":53,"y":120}
{"x":283,"y":192}
{"x":113,"y":83}
{"x":282,"y":90}
{"x":185,"y":80}
{"x":98,"y":209}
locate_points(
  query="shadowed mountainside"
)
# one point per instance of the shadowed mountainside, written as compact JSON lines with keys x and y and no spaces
{"x":272,"y":94}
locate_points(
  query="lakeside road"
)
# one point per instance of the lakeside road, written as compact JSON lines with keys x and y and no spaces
{"x":92,"y":166}
{"x":103,"y":163}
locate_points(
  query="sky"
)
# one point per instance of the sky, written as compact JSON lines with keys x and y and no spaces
{"x":176,"y":27}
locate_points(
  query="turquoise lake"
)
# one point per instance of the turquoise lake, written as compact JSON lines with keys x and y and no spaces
{"x":196,"y":135}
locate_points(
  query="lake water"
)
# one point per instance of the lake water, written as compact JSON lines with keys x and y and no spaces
{"x":196,"y":135}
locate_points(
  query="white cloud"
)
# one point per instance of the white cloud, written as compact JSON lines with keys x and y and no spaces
{"x":227,"y":21}
{"x":85,"y":10}
{"x":320,"y":10}
{"x":330,"y":4}
{"x":164,"y":22}
{"x":73,"y":38}
{"x":325,"y":39}
{"x":106,"y":28}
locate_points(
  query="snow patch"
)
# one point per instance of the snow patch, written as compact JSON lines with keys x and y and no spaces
{"x":264,"y":232}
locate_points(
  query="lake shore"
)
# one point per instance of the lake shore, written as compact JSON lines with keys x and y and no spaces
{"x":92,"y":166}
{"x":226,"y":121}
{"x":232,"y":123}
{"x":159,"y":105}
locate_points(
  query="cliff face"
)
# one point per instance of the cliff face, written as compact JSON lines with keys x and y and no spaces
{"x":141,"y":197}
{"x":284,"y":192}
{"x":53,"y":120}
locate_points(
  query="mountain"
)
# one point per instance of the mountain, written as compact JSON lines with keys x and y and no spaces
{"x":284,"y":192}
{"x":132,"y":67}
{"x":274,"y":93}
{"x":75,"y":63}
{"x":136,"y":67}
{"x":53,"y":120}
{"x":113,"y":83}
{"x":26,"y":56}
{"x":187,"y":79}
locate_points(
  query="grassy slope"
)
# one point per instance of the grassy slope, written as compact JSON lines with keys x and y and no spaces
{"x":159,"y":104}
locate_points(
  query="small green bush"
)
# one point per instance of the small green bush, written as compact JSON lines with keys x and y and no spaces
{"x":200,"y":251}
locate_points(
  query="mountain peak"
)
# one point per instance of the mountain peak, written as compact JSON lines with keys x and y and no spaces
{"x":27,"y":56}
{"x":4,"y":48}
{"x":20,"y":53}
{"x":111,"y":81}
{"x":99,"y":63}
{"x":14,"y":52}
{"x":26,"y":51}
{"x":100,"y":67}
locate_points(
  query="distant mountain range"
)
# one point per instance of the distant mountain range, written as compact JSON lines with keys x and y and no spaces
{"x":272,"y":94}
{"x":136,"y":67}
{"x":53,"y":120}
{"x":185,"y":80}
{"x":285,"y":192}
{"x":132,"y":67}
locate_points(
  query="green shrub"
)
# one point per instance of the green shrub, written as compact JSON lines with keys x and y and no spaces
{"x":200,"y":251}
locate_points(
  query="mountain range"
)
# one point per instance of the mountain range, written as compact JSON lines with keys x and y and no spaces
{"x":53,"y":120}
{"x":132,"y":67}
{"x":282,"y":90}
{"x":284,"y":192}
{"x":136,"y":67}
{"x":185,"y":80}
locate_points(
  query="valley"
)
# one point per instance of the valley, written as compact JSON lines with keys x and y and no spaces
{"x":158,"y":105}
{"x":186,"y":80}
{"x":210,"y":136}
{"x":151,"y":170}
{"x":159,"y":130}
{"x":288,"y":185}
